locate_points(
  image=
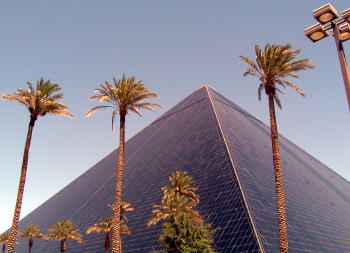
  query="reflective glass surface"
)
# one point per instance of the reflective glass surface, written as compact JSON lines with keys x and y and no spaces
{"x":317,"y":199}
{"x":200,"y":135}
{"x":187,"y":137}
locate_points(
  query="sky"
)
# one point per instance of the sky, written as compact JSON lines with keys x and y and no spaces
{"x":173,"y":47}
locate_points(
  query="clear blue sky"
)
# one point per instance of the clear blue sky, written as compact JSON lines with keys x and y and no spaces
{"x":174,"y":47}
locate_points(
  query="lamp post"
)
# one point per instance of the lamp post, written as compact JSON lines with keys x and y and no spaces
{"x":328,"y":14}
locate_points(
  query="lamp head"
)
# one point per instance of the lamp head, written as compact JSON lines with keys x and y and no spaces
{"x":316,"y":32}
{"x":344,"y":31}
{"x":346,"y":15}
{"x":325,"y":14}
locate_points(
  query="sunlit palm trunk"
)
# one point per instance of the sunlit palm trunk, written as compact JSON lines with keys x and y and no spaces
{"x":118,"y":189}
{"x":22,"y":181}
{"x":280,"y":201}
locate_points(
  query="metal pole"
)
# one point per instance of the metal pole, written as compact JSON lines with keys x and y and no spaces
{"x":342,"y":60}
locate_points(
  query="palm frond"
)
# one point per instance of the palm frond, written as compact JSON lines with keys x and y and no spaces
{"x":278,"y":102}
{"x":96,"y":108}
{"x":292,"y":85}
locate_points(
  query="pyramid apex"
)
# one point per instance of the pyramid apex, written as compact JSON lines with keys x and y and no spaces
{"x":205,"y":85}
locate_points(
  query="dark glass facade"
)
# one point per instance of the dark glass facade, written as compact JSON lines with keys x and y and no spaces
{"x":227,"y":152}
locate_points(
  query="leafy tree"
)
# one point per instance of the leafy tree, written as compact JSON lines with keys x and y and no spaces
{"x":39,"y":101}
{"x":62,"y":231}
{"x":271,"y":66}
{"x":123,"y":96}
{"x":184,"y":235}
{"x":31,"y":231}
{"x":185,"y":230}
{"x":105,"y":225}
{"x":4,"y":240}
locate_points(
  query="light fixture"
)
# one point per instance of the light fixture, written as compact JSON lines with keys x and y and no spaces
{"x":344,"y":31}
{"x":316,"y":32}
{"x":325,"y":14}
{"x":346,"y":15}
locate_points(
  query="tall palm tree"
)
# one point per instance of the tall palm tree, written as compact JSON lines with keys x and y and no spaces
{"x":105,"y":225}
{"x":62,"y":231}
{"x":40,"y":101}
{"x":4,"y":240}
{"x":31,"y":231}
{"x":123,"y":96}
{"x":272,"y":66}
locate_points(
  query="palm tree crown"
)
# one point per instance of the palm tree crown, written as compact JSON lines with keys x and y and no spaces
{"x":126,"y":94}
{"x":105,"y":225}
{"x":273,"y":65}
{"x":4,"y":240}
{"x":31,"y":231}
{"x":63,"y":230}
{"x":40,"y":100}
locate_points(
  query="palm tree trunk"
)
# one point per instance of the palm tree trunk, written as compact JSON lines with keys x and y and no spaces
{"x":107,"y":243}
{"x":280,"y":201}
{"x":30,"y":245}
{"x":63,"y":246}
{"x":22,"y":181}
{"x":118,"y":189}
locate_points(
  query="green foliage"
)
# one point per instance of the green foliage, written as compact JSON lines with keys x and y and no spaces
{"x":185,"y":231}
{"x":186,"y":235}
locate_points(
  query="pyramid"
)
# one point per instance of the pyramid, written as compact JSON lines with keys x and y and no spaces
{"x":228,"y":153}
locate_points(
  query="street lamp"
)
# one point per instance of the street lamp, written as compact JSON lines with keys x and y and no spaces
{"x":328,"y":14}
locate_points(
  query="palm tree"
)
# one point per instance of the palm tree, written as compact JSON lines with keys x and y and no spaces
{"x":39,"y":101}
{"x":62,"y":231}
{"x":31,"y":231}
{"x":4,"y":239}
{"x":272,"y":66}
{"x":105,"y":225}
{"x":123,"y":96}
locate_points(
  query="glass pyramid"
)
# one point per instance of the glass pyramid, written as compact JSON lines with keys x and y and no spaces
{"x":227,"y":152}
